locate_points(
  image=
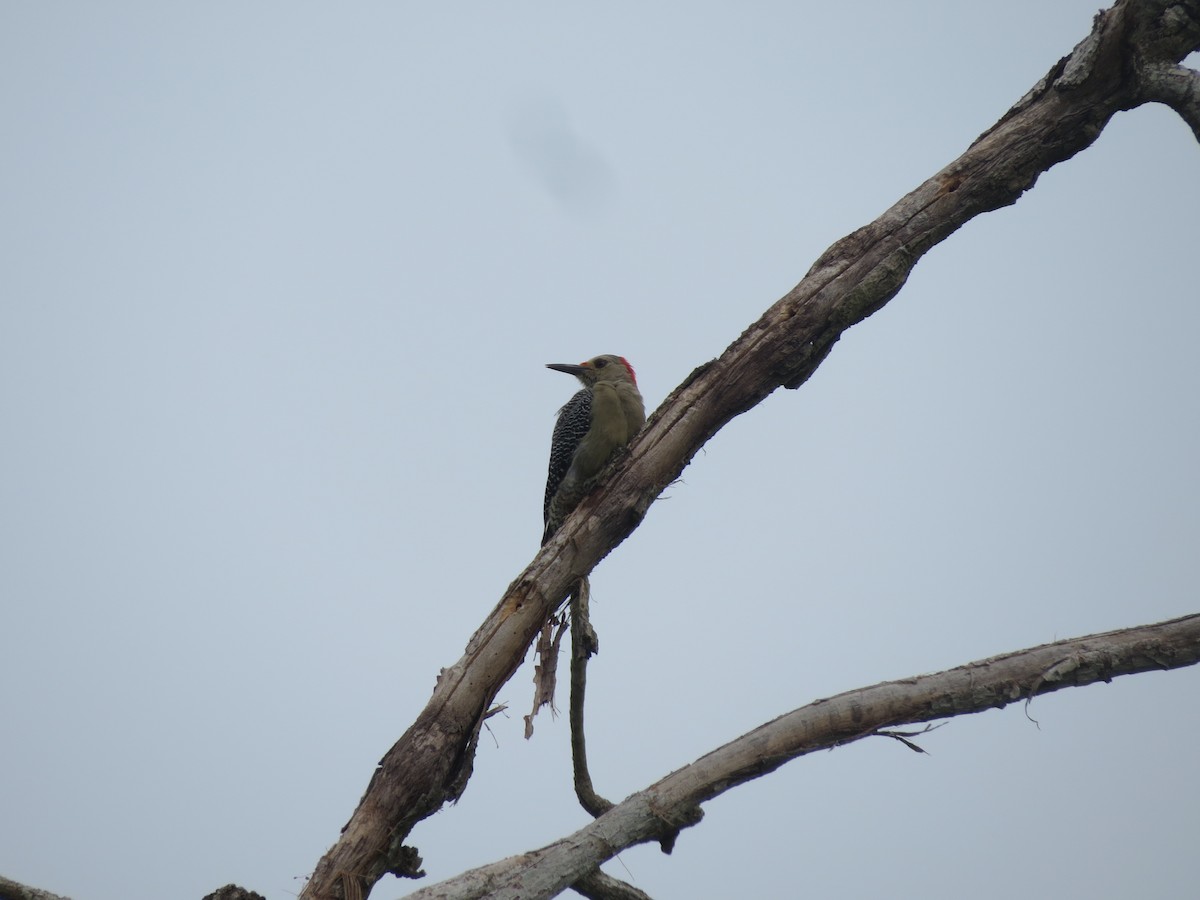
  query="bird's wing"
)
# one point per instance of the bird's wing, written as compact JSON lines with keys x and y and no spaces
{"x":574,"y":419}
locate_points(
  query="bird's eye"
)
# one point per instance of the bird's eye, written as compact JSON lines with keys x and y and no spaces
{"x":601,"y":363}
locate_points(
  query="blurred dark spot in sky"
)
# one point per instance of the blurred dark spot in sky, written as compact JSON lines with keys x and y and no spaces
{"x":559,"y":159}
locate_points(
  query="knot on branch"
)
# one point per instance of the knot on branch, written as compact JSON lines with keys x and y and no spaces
{"x":404,"y":862}
{"x":233,"y":892}
{"x":1165,"y":30}
{"x":672,"y":822}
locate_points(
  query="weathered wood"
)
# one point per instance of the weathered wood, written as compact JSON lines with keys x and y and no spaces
{"x":972,"y":688}
{"x":1061,"y":115}
{"x":13,"y":890}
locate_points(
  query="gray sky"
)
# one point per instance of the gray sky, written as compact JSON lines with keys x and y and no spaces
{"x":278,"y":284}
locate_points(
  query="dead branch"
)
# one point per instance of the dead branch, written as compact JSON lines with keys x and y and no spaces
{"x":601,"y":886}
{"x":584,"y":644}
{"x":1063,"y":114}
{"x":1176,"y":86}
{"x":972,"y":688}
{"x":12,"y":890}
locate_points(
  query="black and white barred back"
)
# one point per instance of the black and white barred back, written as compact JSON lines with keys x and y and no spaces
{"x":574,"y":419}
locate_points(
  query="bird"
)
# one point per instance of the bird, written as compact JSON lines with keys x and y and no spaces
{"x":592,"y":426}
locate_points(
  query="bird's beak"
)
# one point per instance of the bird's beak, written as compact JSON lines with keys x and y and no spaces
{"x":568,"y":368}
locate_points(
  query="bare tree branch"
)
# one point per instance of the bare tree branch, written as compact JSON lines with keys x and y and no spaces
{"x":12,"y":890}
{"x":601,"y":886}
{"x":584,"y":644}
{"x":1063,"y":114}
{"x":1176,"y":86}
{"x":975,"y":687}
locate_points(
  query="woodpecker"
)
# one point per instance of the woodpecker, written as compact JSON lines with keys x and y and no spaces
{"x":593,"y":425}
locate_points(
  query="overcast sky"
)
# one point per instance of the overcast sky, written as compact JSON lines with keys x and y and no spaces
{"x":277,"y":285}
